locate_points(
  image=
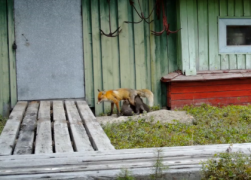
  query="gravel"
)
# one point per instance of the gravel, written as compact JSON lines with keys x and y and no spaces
{"x":160,"y":115}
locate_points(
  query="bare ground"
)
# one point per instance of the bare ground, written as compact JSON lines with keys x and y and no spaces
{"x":162,"y":115}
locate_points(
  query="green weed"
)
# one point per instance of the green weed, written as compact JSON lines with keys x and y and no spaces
{"x":231,"y":123}
{"x":2,"y":123}
{"x":227,"y":166}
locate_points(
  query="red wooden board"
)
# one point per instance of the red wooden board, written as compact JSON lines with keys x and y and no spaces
{"x":244,"y":100}
{"x":220,"y":92}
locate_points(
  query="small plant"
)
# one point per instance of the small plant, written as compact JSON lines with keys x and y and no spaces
{"x":158,"y":167}
{"x":227,"y":166}
{"x":125,"y":174}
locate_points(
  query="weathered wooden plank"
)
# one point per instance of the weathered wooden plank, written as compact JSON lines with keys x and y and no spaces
{"x":241,"y":59}
{"x":61,"y":132}
{"x":141,"y":173}
{"x":214,"y":61}
{"x":44,"y":110}
{"x":79,"y":135}
{"x":27,"y":133}
{"x":157,"y":62}
{"x":166,"y":151}
{"x":207,"y":88}
{"x":152,"y":52}
{"x":44,"y":133}
{"x":99,"y":139}
{"x":192,"y":36}
{"x":203,"y":35}
{"x":222,"y":76}
{"x":12,"y":60}
{"x":96,"y":52}
{"x":210,"y":83}
{"x":58,"y":111}
{"x":188,"y":78}
{"x":220,"y":94}
{"x":109,"y":48}
{"x":62,"y":137}
{"x":139,"y":46}
{"x":232,"y":57}
{"x":43,"y":137}
{"x":224,"y":57}
{"x":87,"y":42}
{"x":4,"y":68}
{"x":223,"y":101}
{"x":126,"y":45}
{"x":247,"y":12}
{"x":171,"y":39}
{"x":10,"y":131}
{"x":184,"y":35}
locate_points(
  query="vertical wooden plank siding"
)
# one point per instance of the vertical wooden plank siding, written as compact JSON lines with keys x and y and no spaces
{"x":152,"y":52}
{"x":247,"y":12}
{"x":139,"y":44}
{"x":136,"y":58}
{"x":203,"y":35}
{"x":205,"y":41}
{"x":87,"y":42}
{"x":224,"y":57}
{"x":232,"y":57}
{"x":185,"y":56}
{"x":4,"y":60}
{"x":214,"y":63}
{"x":192,"y":35}
{"x":126,"y":50}
{"x":12,"y":59}
{"x":147,"y":45}
{"x":172,"y":38}
{"x":96,"y":51}
{"x":241,"y":58}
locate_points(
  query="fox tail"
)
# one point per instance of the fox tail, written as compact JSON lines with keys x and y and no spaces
{"x":148,"y":94}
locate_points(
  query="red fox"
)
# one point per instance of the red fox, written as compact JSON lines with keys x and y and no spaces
{"x":114,"y":96}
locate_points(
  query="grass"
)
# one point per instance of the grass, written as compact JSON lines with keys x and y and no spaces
{"x":2,"y":123}
{"x":212,"y":125}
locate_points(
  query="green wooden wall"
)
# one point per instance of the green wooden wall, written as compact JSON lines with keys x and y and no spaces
{"x":135,"y":59}
{"x":198,"y":48}
{"x":8,"y":95}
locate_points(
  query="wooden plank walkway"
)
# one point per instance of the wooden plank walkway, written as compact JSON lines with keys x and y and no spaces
{"x":46,"y":127}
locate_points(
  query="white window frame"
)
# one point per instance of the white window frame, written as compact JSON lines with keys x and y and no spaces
{"x":222,"y":35}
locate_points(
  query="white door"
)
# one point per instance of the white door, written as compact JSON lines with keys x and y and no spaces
{"x":49,"y":51}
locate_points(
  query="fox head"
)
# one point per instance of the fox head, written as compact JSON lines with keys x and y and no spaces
{"x":101,"y":96}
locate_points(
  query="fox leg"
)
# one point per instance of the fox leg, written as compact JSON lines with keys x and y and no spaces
{"x":112,"y":105}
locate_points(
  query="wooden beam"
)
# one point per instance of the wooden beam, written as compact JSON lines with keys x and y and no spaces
{"x":61,"y":132}
{"x":44,"y":135}
{"x":11,"y":128}
{"x":79,"y":135}
{"x":97,"y":135}
{"x":27,"y":133}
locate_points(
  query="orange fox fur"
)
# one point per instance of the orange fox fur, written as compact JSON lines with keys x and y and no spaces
{"x":114,"y":96}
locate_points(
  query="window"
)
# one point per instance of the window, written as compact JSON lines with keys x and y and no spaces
{"x":235,"y":35}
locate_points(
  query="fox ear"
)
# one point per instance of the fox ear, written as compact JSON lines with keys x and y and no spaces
{"x":98,"y":90}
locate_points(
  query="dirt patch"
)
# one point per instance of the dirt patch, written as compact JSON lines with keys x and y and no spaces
{"x":160,"y":115}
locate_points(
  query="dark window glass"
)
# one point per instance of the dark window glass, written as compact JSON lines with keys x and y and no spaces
{"x":238,"y":35}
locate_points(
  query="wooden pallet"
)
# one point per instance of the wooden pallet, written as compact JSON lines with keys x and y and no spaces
{"x":42,"y":127}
